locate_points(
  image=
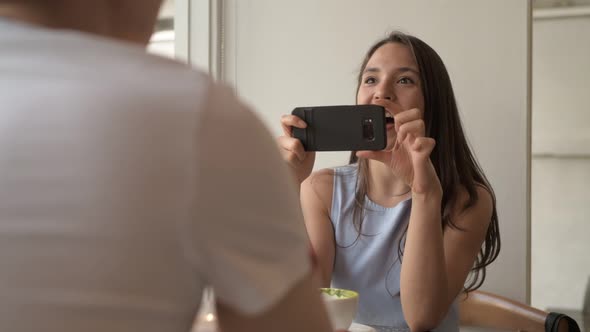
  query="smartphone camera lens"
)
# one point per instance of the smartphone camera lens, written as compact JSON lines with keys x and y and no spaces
{"x":368,"y":132}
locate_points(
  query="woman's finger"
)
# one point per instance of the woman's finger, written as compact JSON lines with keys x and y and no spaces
{"x":291,"y":158}
{"x":288,"y":121}
{"x":423,"y":146}
{"x":407,"y":116}
{"x":416,"y":128}
{"x":293,"y":146}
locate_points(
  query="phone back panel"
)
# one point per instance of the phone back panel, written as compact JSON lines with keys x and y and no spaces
{"x":342,"y":128}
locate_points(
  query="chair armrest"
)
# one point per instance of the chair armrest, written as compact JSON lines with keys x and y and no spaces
{"x":484,"y":309}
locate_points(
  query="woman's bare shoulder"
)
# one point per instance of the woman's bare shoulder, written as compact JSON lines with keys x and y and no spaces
{"x":483,"y":206}
{"x":321,"y":176}
{"x":319,"y":185}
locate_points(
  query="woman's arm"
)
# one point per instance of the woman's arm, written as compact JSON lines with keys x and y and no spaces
{"x":435,"y":264}
{"x":316,"y":199}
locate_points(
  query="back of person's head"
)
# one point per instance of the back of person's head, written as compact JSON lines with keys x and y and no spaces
{"x":129,"y":20}
{"x":455,"y":164}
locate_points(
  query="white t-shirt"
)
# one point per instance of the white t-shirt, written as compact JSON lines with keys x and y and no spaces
{"x":128,"y":182}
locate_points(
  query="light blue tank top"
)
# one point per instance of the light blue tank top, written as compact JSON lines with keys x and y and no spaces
{"x":370,"y":264}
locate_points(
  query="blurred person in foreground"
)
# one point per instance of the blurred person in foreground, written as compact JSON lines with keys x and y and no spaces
{"x":129,"y":182}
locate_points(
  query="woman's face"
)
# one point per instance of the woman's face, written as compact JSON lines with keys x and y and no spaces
{"x":391,"y":79}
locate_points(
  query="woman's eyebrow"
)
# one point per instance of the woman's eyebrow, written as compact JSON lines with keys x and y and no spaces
{"x":405,"y":69}
{"x":398,"y":70}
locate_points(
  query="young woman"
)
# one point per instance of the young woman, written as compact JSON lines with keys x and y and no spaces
{"x":404,"y":226}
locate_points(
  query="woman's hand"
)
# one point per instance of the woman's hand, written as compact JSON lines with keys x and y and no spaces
{"x":300,"y":161}
{"x":409,"y":158}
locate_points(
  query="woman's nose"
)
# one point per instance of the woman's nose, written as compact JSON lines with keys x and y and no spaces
{"x":377,"y":97}
{"x":383,"y":94}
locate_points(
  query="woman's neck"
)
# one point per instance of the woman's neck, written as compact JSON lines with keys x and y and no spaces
{"x":384,"y":187}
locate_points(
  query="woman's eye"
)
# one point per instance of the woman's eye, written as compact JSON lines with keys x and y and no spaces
{"x":405,"y":80}
{"x":370,"y":80}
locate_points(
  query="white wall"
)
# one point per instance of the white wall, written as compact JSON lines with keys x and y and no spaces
{"x":561,"y":162}
{"x":561,"y":74}
{"x":282,"y":54}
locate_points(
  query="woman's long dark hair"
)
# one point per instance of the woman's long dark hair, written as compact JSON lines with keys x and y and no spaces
{"x":452,"y":158}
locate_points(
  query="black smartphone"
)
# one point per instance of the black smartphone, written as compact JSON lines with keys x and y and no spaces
{"x":342,"y":128}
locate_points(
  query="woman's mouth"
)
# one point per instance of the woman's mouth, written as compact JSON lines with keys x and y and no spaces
{"x":389,"y":121}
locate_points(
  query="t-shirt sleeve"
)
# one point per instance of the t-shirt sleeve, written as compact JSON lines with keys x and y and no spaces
{"x":249,"y":232}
